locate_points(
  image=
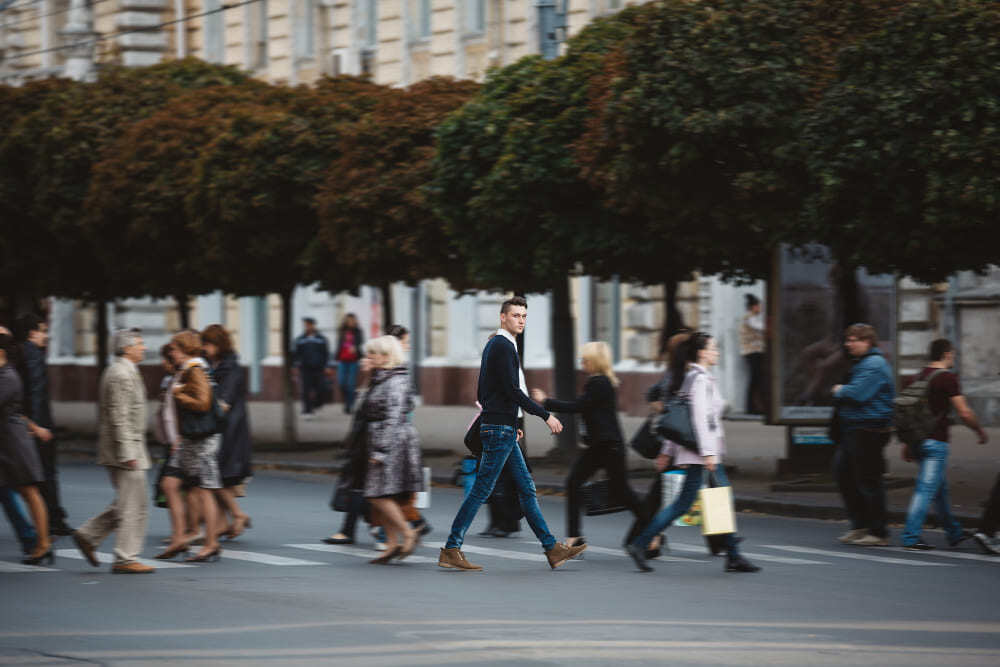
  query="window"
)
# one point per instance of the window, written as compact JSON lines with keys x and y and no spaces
{"x":214,"y":28}
{"x":419,"y":19}
{"x":475,"y":16}
{"x":369,"y":23}
{"x":256,"y":21}
{"x":305,"y":29}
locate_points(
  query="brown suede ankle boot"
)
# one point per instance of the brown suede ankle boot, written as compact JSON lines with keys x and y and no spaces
{"x":454,"y":558}
{"x":561,"y":553}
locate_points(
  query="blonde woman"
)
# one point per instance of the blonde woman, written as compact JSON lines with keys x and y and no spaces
{"x":598,"y":404}
{"x":394,"y":466}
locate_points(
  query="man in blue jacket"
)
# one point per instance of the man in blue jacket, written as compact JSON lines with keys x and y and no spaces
{"x":312,"y":353}
{"x":503,"y":394}
{"x":864,"y":408}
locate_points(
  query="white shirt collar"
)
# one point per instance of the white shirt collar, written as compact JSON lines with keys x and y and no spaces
{"x":508,"y":335}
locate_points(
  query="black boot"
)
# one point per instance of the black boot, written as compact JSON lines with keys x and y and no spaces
{"x":737,"y":563}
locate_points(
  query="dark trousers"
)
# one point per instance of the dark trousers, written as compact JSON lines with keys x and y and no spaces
{"x":505,"y":508}
{"x":755,"y":390}
{"x":312,"y":388}
{"x":610,"y":457}
{"x":650,"y":506}
{"x":990,"y":522}
{"x":50,"y":487}
{"x":858,"y":468}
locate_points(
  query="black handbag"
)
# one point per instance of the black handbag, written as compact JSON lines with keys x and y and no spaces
{"x":473,"y":442}
{"x":674,"y":423}
{"x":598,"y":500}
{"x":645,"y":442}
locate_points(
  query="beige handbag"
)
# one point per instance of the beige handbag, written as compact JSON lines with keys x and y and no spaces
{"x":717,"y":512}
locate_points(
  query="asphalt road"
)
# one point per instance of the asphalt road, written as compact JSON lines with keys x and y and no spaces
{"x":280,"y":596}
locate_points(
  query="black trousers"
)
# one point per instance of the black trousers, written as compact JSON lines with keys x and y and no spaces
{"x":312,"y":388}
{"x":858,"y":468}
{"x":990,"y":521}
{"x":610,"y":457}
{"x":755,"y":390}
{"x":50,"y":487}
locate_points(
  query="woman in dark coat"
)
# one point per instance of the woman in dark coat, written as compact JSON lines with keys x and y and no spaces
{"x":235,"y":451}
{"x":394,"y":465}
{"x":20,"y":466}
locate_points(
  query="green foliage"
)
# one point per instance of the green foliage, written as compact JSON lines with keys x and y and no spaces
{"x":904,"y":149}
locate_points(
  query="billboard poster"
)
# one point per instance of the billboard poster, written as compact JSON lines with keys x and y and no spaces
{"x":809,"y":306}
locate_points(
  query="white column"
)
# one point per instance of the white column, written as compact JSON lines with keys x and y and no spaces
{"x":463,"y":317}
{"x":584,"y":310}
{"x":211,"y":309}
{"x":538,"y":332}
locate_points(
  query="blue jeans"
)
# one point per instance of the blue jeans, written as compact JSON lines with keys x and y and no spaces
{"x":499,"y":444}
{"x":14,"y":509}
{"x":932,"y":486}
{"x":693,"y":479}
{"x":347,"y":378}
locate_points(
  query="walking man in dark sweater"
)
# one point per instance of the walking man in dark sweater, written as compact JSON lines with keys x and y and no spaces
{"x":503,"y":394}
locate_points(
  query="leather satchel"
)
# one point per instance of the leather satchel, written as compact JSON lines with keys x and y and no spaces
{"x":473,"y":442}
{"x":674,"y":423}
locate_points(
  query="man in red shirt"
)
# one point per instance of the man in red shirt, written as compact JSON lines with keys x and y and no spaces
{"x":944,"y":394}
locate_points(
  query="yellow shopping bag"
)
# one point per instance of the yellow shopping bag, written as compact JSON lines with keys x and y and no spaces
{"x":717,"y":512}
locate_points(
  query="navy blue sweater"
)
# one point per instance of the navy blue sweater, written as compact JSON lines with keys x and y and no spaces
{"x":499,"y":390}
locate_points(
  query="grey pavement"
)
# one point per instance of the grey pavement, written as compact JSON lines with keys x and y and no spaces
{"x":753,"y":449}
{"x":279,"y":596}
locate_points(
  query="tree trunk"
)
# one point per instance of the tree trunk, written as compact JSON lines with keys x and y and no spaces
{"x":563,"y":348}
{"x":102,"y":335}
{"x":673,"y":321}
{"x":387,"y":314}
{"x":288,"y":424}
{"x":184,"y":309}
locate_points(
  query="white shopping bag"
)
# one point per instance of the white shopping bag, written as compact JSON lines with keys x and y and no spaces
{"x":717,"y":512}
{"x":673,"y":482}
{"x":423,"y":500}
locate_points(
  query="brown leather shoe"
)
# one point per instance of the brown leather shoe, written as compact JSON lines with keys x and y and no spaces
{"x":86,"y":548}
{"x":561,"y":553}
{"x":132,"y":568}
{"x":455,"y":559}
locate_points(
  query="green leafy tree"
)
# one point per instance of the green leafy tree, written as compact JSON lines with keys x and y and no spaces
{"x":903,"y":148}
{"x":375,"y":217}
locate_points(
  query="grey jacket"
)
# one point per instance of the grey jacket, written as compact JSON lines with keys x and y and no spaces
{"x":392,"y":440}
{"x":122,"y":432}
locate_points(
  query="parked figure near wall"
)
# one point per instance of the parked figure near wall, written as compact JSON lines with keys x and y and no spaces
{"x":311,"y":356}
{"x":944,"y":393}
{"x":690,"y":376}
{"x":235,"y":465}
{"x":20,"y":465}
{"x":752,"y":349}
{"x":394,"y":470}
{"x":864,"y":412}
{"x":349,"y":345}
{"x":605,"y":444}
{"x":34,"y":371}
{"x":121,"y":448}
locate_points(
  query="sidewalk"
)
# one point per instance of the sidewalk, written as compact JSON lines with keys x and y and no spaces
{"x":753,"y":451}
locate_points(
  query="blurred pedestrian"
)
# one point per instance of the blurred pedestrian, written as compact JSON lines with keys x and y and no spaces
{"x":311,"y":356}
{"x":943,"y":394}
{"x":20,"y":465}
{"x":864,"y":411}
{"x":199,"y":448}
{"x":235,"y":450}
{"x":34,"y":371}
{"x":605,"y":444}
{"x":394,"y":463}
{"x":349,"y":346}
{"x":752,"y":349}
{"x":989,"y":523}
{"x":171,"y":480}
{"x":121,"y":448}
{"x":502,"y":392}
{"x":690,"y":376}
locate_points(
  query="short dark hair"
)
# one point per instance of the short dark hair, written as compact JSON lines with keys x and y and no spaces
{"x":397,"y":330}
{"x":27,"y":323}
{"x":939,"y":348}
{"x":862,"y":331}
{"x":751,"y":300}
{"x":511,"y":302}
{"x":309,"y":320}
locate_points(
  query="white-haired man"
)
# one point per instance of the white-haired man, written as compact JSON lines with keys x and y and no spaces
{"x":121,"y":448}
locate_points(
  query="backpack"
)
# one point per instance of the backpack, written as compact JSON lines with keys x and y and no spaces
{"x":912,"y":411}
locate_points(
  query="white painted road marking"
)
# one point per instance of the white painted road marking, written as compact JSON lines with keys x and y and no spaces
{"x":105,"y":557}
{"x":266,"y":559}
{"x":767,"y":558}
{"x":951,"y":554}
{"x":870,"y":557}
{"x":347,"y":550}
{"x":18,"y":567}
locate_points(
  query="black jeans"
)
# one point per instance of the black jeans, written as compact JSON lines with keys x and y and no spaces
{"x":990,"y":522}
{"x":755,"y":390}
{"x":858,"y":468}
{"x":610,"y":457}
{"x":50,"y":487}
{"x":312,"y":388}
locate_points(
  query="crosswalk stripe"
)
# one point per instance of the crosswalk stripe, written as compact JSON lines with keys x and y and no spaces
{"x":621,"y":553}
{"x":767,"y":558}
{"x":266,"y":559}
{"x":354,"y":551}
{"x":18,"y":567}
{"x":952,"y":554}
{"x":875,"y":559}
{"x":105,"y":557}
{"x":499,"y":553}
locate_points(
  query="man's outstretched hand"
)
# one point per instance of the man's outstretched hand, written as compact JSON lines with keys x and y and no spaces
{"x":554,"y":424}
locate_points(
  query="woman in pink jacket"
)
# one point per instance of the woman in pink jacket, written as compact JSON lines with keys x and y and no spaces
{"x":690,"y":376}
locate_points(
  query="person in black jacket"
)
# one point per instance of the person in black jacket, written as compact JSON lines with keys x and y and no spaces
{"x":312,"y":354}
{"x":602,"y":434}
{"x":235,"y":450}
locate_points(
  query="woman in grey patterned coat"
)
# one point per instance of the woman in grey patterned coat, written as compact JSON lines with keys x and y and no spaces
{"x":394,"y":466}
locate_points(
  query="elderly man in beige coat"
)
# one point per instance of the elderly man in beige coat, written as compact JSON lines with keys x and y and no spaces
{"x":121,"y":447}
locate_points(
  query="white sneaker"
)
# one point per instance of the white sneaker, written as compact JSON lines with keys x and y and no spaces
{"x":871,"y":541}
{"x":852,"y":535}
{"x":989,"y":545}
{"x":380,"y":546}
